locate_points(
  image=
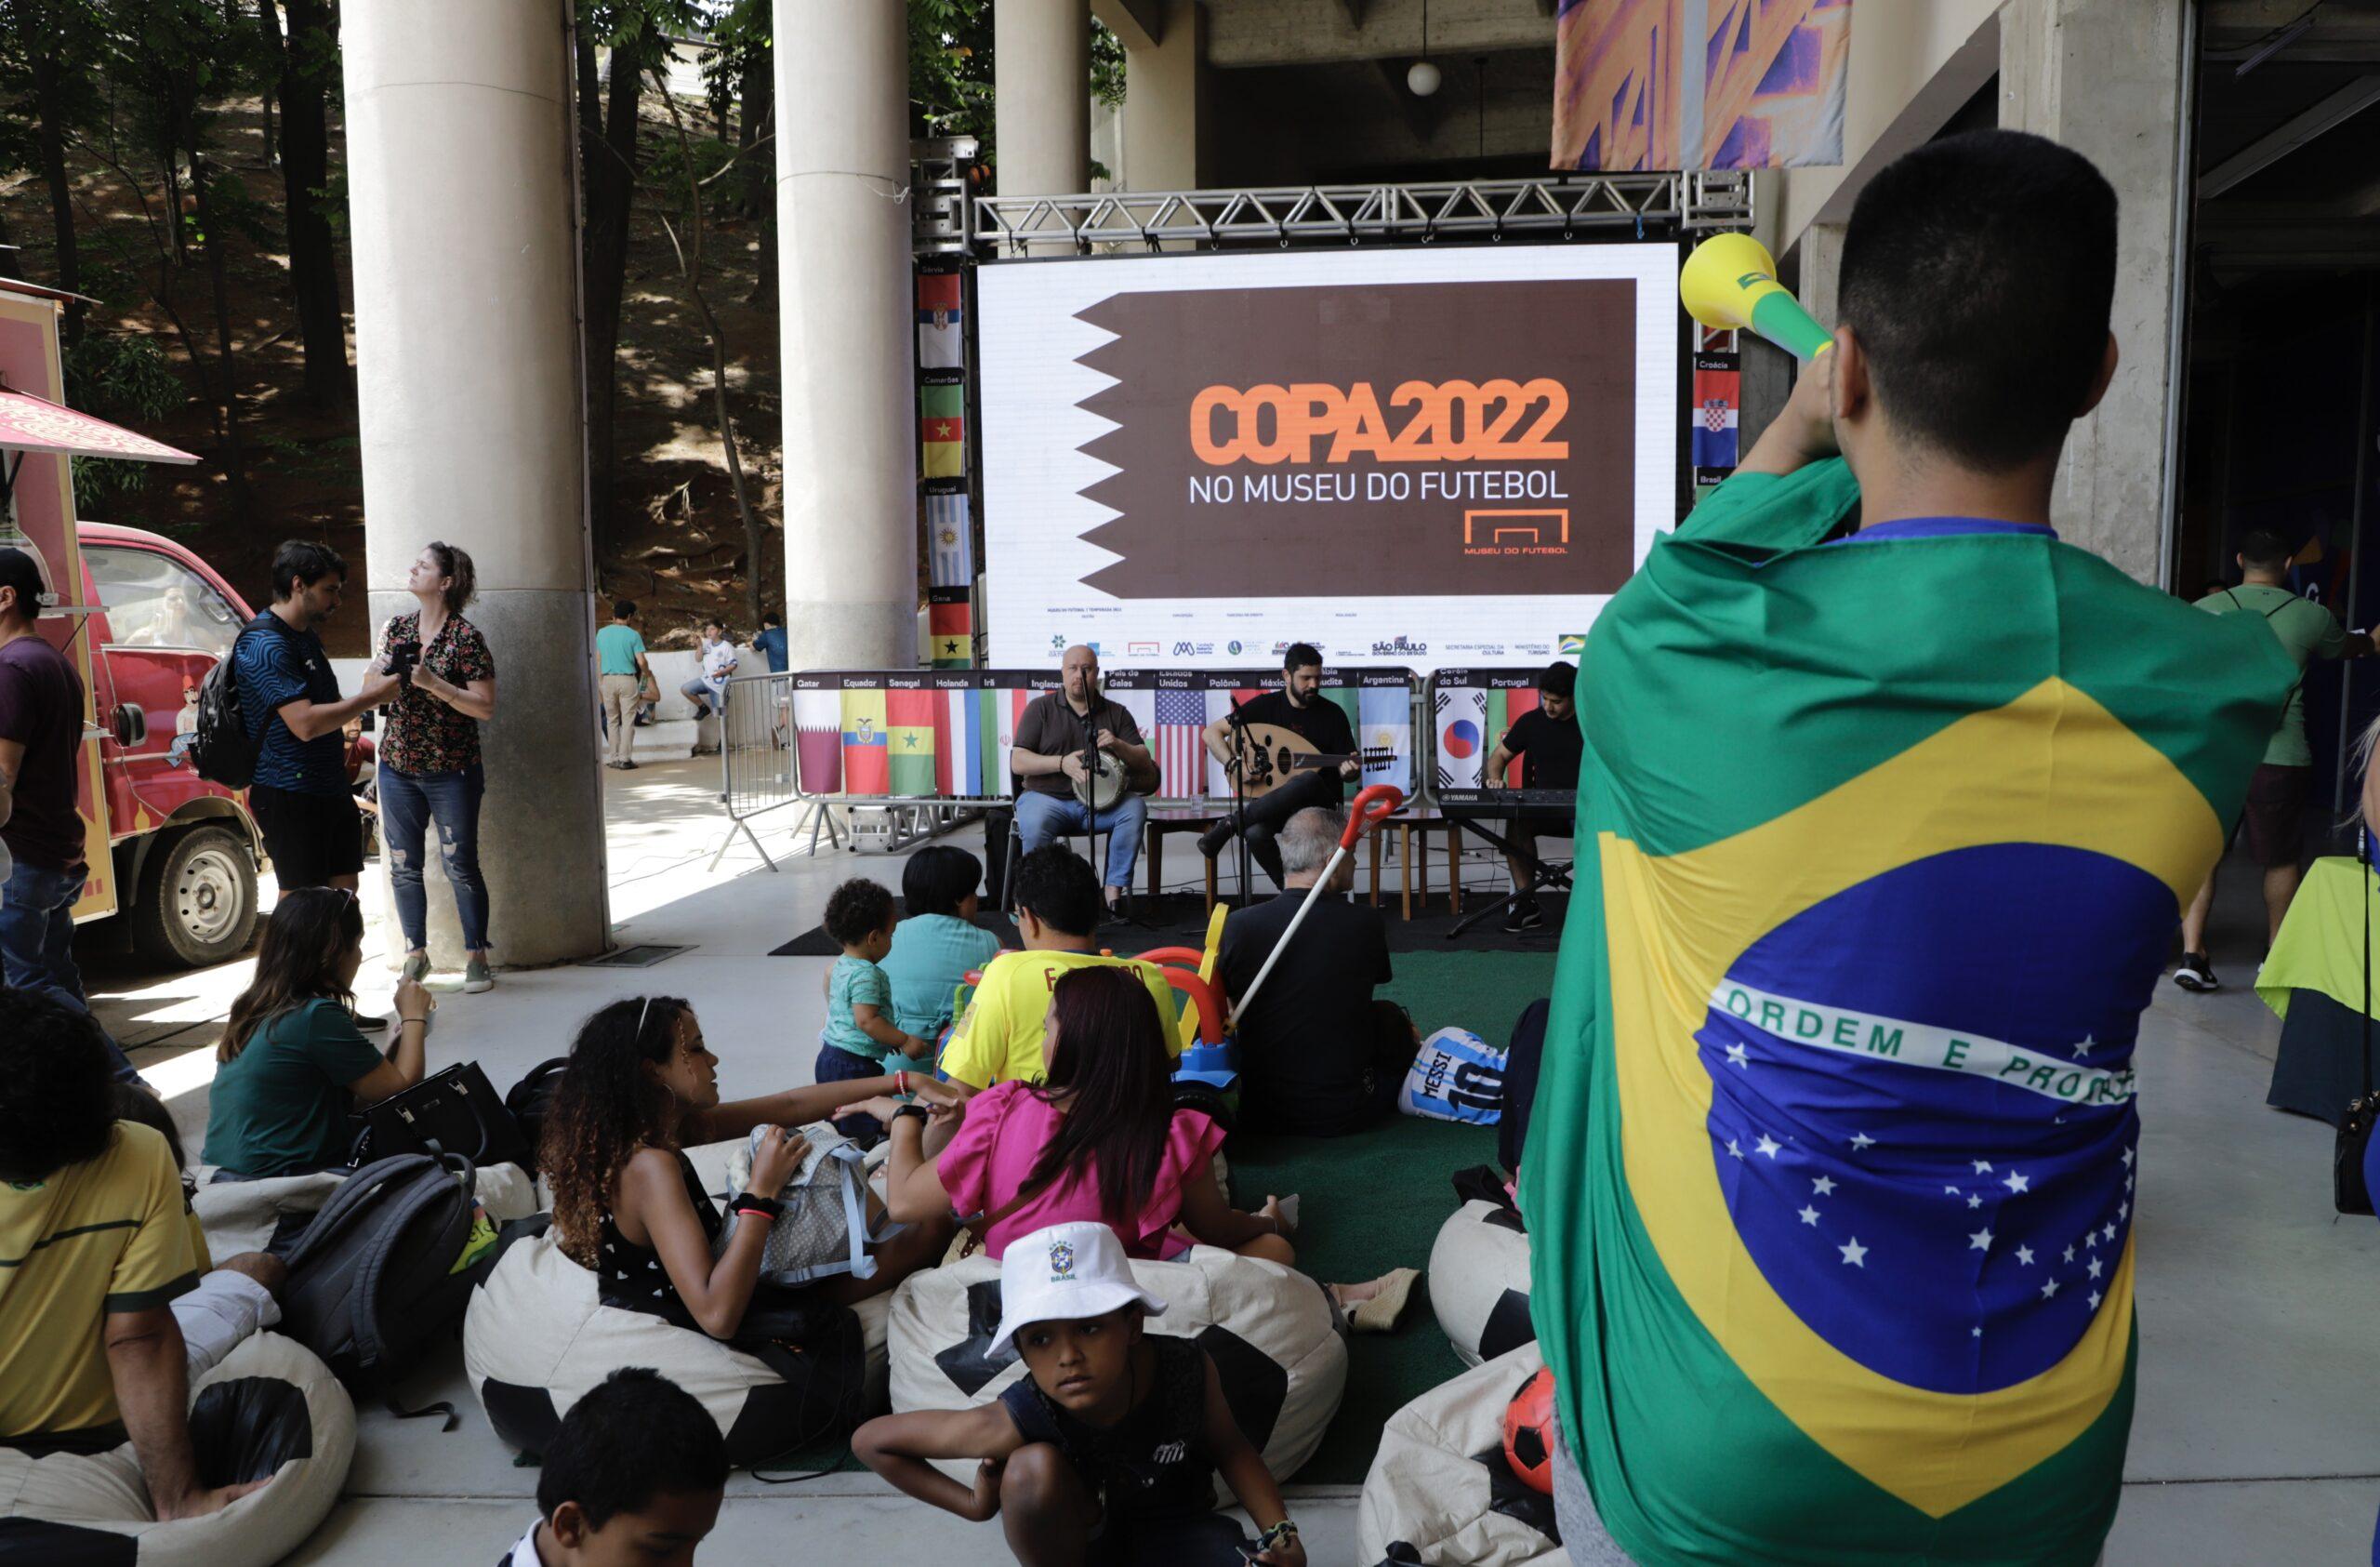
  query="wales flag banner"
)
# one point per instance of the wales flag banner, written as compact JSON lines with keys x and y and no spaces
{"x":1830,"y":1182}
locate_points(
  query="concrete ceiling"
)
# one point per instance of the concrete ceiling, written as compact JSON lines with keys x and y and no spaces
{"x":1257,"y":32}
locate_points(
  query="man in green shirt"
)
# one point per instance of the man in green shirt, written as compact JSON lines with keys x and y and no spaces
{"x":621,"y":673}
{"x":2273,"y":821}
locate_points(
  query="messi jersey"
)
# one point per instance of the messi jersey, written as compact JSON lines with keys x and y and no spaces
{"x":1882,"y":845}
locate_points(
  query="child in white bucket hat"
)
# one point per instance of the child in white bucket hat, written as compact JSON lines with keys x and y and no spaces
{"x":1105,"y":1453}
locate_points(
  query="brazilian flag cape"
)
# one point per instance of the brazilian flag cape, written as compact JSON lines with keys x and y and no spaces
{"x":1882,"y":843}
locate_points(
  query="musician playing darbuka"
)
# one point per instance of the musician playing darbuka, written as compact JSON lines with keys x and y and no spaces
{"x":1056,"y":739}
{"x":1300,"y":708}
{"x":1546,"y":741}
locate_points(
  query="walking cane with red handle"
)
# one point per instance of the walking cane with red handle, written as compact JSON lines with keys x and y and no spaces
{"x":1371,"y":804}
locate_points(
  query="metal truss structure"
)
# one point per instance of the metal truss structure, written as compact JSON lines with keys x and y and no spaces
{"x":1599,"y":206}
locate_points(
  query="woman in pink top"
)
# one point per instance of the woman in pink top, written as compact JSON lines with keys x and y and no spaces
{"x":1100,"y":1141}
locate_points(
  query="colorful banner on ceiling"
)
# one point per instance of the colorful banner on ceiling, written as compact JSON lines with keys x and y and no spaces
{"x":1758,"y":84}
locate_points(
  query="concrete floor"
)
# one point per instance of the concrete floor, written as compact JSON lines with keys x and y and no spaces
{"x":2253,"y":1441}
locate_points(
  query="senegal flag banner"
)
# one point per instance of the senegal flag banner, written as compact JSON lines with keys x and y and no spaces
{"x":1830,"y":1180}
{"x":909,"y":719}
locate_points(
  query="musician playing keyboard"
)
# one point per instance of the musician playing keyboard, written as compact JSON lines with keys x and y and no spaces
{"x":1300,"y":708}
{"x":1047,"y":759}
{"x":1546,"y":740}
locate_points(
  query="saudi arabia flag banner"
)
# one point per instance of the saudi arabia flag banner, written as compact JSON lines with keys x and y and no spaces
{"x":1831,"y":1177}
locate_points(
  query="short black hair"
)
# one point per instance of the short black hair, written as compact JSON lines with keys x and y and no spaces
{"x":1979,"y":273}
{"x":770,"y":618}
{"x":132,"y":1102}
{"x":857,"y":909}
{"x":1300,"y":654}
{"x":20,"y":571}
{"x":713,"y":623}
{"x":2264,"y":550}
{"x":938,"y":878}
{"x":634,"y":1436}
{"x":57,"y":1101}
{"x":1059,"y":886}
{"x":303,"y":561}
{"x":622,"y":608}
{"x":1558,"y":679}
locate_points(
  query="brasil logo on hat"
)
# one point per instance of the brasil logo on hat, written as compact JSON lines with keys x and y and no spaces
{"x":1062,"y":1262}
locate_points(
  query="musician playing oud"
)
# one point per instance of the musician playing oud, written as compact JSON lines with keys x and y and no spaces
{"x":1546,"y":740}
{"x":1060,"y":738}
{"x":1300,"y":708}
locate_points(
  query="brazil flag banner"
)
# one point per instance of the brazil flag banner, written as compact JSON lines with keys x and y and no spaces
{"x":1830,"y":1174}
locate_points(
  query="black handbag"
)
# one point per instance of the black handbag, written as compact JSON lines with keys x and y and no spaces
{"x":451,"y":1111}
{"x":2348,"y":1192}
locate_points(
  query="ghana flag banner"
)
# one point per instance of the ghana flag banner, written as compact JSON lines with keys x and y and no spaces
{"x":1882,"y":845}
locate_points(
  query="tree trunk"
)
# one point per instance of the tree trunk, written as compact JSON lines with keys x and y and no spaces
{"x":49,"y":102}
{"x":234,"y":463}
{"x":757,"y":179}
{"x":305,"y":171}
{"x":610,"y":178}
{"x":268,"y":21}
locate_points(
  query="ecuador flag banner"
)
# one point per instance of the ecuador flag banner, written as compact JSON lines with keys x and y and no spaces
{"x":1881,"y":848}
{"x":865,"y":761}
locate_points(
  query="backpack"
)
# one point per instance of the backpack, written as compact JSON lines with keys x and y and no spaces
{"x":222,"y":750}
{"x":374,"y":1278}
{"x":529,"y":1099}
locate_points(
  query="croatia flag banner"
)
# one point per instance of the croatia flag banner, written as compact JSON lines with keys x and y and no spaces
{"x":1717,"y":395}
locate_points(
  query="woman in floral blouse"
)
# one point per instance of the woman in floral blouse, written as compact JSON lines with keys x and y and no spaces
{"x":429,"y":755}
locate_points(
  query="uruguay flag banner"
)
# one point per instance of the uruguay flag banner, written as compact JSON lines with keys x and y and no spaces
{"x":1882,"y":845}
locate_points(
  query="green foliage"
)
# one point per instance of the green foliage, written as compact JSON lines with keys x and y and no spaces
{"x":122,"y":378}
{"x":336,"y":462}
{"x":950,"y":69}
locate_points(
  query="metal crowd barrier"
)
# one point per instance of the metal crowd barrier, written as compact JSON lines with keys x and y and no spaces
{"x":756,"y":756}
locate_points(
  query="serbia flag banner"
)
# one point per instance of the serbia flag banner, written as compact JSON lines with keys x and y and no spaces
{"x":1881,"y":848}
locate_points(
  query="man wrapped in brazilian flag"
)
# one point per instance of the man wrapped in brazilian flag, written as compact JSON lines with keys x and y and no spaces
{"x":1890,"y":804}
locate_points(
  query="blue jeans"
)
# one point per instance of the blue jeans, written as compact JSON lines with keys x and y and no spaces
{"x":408,"y":801}
{"x":1040,"y":817}
{"x":707,"y":697}
{"x":37,"y":943}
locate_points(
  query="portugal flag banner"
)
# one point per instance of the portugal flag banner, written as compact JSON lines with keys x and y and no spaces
{"x":1832,"y":1187}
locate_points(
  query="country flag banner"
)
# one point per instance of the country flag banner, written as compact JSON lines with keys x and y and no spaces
{"x":958,"y":741}
{"x":941,"y":431}
{"x":1176,"y":722}
{"x":949,"y":629}
{"x":1504,"y":709}
{"x":1384,"y":723}
{"x":1837,"y":1265}
{"x":909,"y":740}
{"x":941,"y":340}
{"x":867,"y":756}
{"x":1717,"y":396}
{"x":950,"y":541}
{"x":1463,"y":739}
{"x":818,"y":741}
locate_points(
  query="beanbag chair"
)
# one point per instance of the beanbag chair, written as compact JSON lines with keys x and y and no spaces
{"x":270,"y":1408}
{"x":1479,"y":1281}
{"x":534,"y":1338}
{"x":1267,"y":1328}
{"x":267,"y":1216}
{"x":1441,"y":1492}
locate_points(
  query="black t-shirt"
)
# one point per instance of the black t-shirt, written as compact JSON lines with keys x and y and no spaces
{"x":1321,"y":724}
{"x":1051,"y":728}
{"x":41,"y":709}
{"x":1548,"y":748}
{"x":1152,"y":1464}
{"x":1306,"y":1044}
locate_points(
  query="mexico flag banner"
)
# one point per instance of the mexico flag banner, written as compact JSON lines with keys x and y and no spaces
{"x":1831,"y":1181}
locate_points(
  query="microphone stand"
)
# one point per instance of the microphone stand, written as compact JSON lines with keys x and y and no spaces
{"x":1240,"y":794}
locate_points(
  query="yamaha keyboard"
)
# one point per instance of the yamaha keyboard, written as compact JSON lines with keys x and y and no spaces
{"x":1536,"y":806}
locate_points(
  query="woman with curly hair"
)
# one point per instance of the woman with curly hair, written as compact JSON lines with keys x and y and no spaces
{"x":641,"y":1086}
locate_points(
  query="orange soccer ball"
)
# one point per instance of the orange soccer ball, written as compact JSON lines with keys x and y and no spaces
{"x":1529,"y":1432}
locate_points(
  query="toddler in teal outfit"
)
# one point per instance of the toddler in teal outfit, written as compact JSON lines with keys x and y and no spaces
{"x":860,"y":1038}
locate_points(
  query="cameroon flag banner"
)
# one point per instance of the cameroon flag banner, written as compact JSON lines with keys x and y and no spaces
{"x":1830,"y":1176}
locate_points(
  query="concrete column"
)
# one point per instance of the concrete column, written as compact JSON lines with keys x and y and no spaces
{"x":1040,"y":96}
{"x":459,"y":153}
{"x":845,"y":316}
{"x":1821,"y":252}
{"x":1160,"y":114}
{"x":2110,"y":79}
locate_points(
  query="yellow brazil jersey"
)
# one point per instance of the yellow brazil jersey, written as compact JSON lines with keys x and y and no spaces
{"x":998,"y":1038}
{"x":108,"y":1235}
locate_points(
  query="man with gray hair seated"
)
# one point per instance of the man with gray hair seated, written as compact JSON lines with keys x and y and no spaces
{"x":1319,"y":1056}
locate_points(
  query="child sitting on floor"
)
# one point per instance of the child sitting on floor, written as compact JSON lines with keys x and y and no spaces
{"x":635,"y":1474}
{"x":937,"y":941}
{"x":1102,"y":1455}
{"x":860,"y":1035}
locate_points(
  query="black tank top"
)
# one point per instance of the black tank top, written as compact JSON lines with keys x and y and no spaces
{"x":630,"y":1277}
{"x":1154,"y":1463}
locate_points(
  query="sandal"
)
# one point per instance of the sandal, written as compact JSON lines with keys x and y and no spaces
{"x":1383,"y":1311}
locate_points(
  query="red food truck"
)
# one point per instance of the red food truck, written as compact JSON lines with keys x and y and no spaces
{"x":143,"y":619}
